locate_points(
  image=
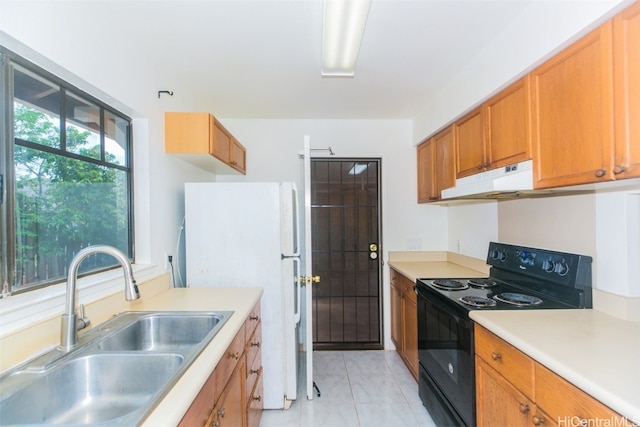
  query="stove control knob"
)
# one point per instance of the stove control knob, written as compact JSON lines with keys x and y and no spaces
{"x":562,"y":268}
{"x":548,"y":266}
{"x":498,"y":255}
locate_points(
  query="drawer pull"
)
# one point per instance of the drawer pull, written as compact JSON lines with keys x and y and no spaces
{"x":256,"y":371}
{"x":537,"y":421}
{"x":235,"y":355}
{"x":255,"y":344}
{"x":254,"y":317}
{"x":221,"y":413}
{"x":496,"y":356}
{"x":257,"y":398}
{"x":524,"y":408}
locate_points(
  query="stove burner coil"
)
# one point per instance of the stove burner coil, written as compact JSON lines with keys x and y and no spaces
{"x":449,"y":285}
{"x":475,"y":301}
{"x":482,"y":283}
{"x":521,"y":300}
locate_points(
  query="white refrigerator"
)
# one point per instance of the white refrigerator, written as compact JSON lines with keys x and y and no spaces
{"x":246,"y":235}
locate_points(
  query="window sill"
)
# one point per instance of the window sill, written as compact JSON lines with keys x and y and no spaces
{"x":20,"y":311}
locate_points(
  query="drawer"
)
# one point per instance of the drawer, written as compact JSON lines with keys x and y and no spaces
{"x":255,"y":405}
{"x":507,"y":360}
{"x":254,"y":344}
{"x":405,"y":285}
{"x":253,"y":320}
{"x":230,"y":359}
{"x":562,"y":400}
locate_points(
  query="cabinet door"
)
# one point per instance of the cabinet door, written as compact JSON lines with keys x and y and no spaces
{"x":573,"y":113}
{"x":445,"y":161}
{"x":238,"y":155}
{"x":470,"y":148}
{"x":626,"y":42}
{"x":426,"y":172}
{"x":396,"y":317}
{"x":508,"y":125}
{"x":230,"y":409}
{"x":498,"y":403}
{"x":410,"y":332}
{"x":221,"y":142}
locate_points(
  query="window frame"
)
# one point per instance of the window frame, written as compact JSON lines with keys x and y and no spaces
{"x":7,"y":167}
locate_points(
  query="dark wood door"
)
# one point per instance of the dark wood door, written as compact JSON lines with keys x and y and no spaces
{"x":345,"y":212}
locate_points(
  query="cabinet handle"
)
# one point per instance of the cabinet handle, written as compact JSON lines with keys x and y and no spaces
{"x":480,"y":166}
{"x":487,"y":165}
{"x":255,"y":344}
{"x":253,"y":317}
{"x":600,"y":173}
{"x":221,"y":413}
{"x":233,"y":162}
{"x":257,"y":398}
{"x":496,"y":356}
{"x":619,"y":169}
{"x":256,"y":371}
{"x":524,"y":408}
{"x":235,"y":355}
{"x":433,"y":198}
{"x":537,"y":420}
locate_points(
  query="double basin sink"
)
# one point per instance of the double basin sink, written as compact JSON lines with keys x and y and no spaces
{"x":116,"y":375}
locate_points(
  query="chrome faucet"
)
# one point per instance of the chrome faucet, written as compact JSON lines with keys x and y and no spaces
{"x":70,"y":322}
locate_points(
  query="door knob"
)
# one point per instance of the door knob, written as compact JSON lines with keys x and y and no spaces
{"x":308,"y":280}
{"x":373,"y":247}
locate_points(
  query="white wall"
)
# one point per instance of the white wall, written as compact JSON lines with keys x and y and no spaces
{"x":272,"y":155}
{"x":522,"y":45}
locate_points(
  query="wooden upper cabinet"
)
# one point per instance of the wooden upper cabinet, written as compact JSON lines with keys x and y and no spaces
{"x":507,"y":118}
{"x":238,"y":156}
{"x":436,"y":166}
{"x":445,"y":160}
{"x":496,"y":134}
{"x":469,"y":142}
{"x":626,"y":61}
{"x":426,"y":153}
{"x":200,"y":139}
{"x":572,"y":113}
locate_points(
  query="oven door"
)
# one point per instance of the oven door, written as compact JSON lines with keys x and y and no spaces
{"x":445,"y":352}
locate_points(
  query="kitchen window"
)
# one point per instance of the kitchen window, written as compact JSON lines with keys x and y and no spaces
{"x":66,"y":177}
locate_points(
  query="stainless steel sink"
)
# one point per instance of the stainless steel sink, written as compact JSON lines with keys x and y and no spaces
{"x":116,"y":375}
{"x":162,"y":332}
{"x":90,"y":389}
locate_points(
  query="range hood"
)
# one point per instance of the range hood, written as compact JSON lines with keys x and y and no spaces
{"x":504,"y":182}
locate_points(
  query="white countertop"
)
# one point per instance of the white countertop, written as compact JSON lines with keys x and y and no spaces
{"x":239,"y":300}
{"x":434,"y":270}
{"x":594,"y":351}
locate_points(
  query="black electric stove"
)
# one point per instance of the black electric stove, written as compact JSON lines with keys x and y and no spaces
{"x":520,"y":278}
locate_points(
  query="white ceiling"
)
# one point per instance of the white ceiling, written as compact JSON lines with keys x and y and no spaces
{"x":261,"y":58}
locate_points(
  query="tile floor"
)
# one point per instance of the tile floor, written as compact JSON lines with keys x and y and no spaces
{"x":358,"y":389}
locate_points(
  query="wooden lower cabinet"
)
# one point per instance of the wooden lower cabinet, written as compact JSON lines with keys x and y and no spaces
{"x":514,"y":390}
{"x":232,"y":395}
{"x":498,"y":402}
{"x":404,"y":320}
{"x":229,"y":410}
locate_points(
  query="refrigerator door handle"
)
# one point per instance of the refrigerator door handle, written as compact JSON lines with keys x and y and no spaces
{"x":296,"y":264}
{"x":296,"y":219}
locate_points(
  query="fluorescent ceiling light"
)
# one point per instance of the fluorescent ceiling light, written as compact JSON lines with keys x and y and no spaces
{"x":358,"y":168}
{"x":344,"y":22}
